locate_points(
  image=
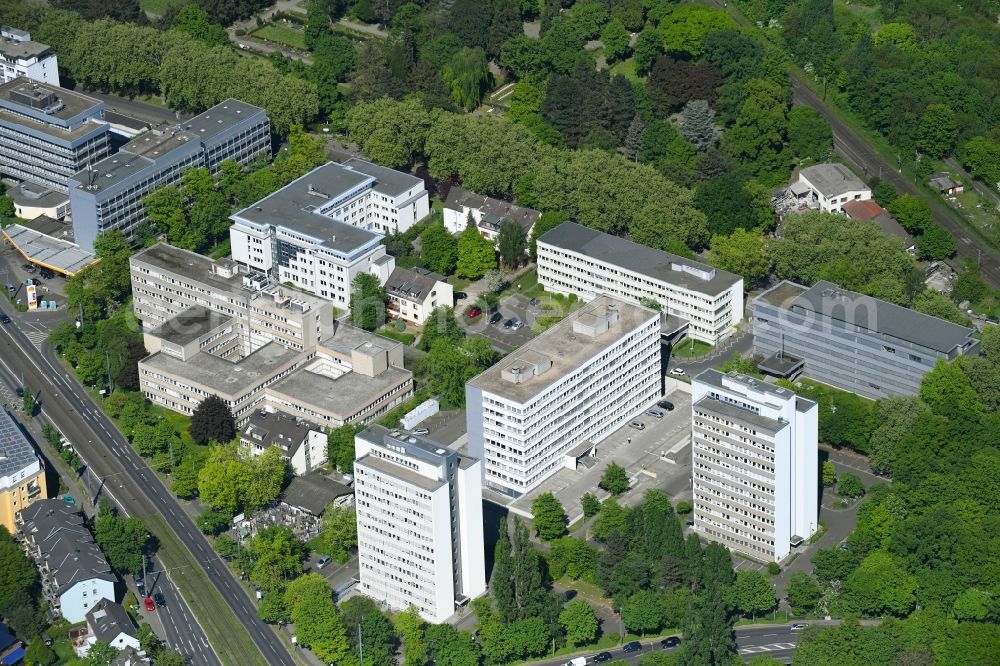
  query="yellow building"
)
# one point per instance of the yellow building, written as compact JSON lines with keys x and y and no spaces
{"x":22,"y":473}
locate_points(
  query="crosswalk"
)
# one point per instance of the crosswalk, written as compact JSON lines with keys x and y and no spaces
{"x":756,"y":649}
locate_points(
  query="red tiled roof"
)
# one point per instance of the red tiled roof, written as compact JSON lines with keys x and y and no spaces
{"x":863,"y":210}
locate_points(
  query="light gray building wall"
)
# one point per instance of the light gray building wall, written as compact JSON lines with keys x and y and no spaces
{"x":854,"y":342}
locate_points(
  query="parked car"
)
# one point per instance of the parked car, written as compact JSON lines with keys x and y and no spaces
{"x":798,"y":626}
{"x":473,"y":311}
{"x":69,"y":500}
{"x":677,"y":372}
{"x":28,"y":268}
{"x":160,"y":601}
{"x":666,"y":404}
{"x":421,"y":431}
{"x":4,"y":319}
{"x":655,"y":413}
{"x":670,"y":642}
{"x":148,"y":603}
{"x":576,"y":661}
{"x":495,"y":317}
{"x":601,"y":657}
{"x":460,"y":295}
{"x":47,"y":273}
{"x":634,"y":646}
{"x":323,"y":561}
{"x":140,"y":583}
{"x":638,"y":425}
{"x":535,"y":301}
{"x":516,"y":324}
{"x":508,"y":324}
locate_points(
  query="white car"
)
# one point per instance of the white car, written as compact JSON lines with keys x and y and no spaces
{"x":798,"y":627}
{"x":677,"y":372}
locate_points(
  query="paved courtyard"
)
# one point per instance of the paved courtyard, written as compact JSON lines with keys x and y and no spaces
{"x":639,"y":452}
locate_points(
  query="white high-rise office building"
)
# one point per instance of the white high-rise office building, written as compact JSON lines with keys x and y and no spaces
{"x":754,"y":461}
{"x":568,"y":388}
{"x":420,"y":523}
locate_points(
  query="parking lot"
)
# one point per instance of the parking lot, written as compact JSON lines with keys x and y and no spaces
{"x":640,"y":452}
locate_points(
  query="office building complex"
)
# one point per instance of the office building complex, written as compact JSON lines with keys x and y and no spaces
{"x":75,"y":574}
{"x":754,"y":456}
{"x":575,"y":383}
{"x":108,"y":194}
{"x":573,"y":259}
{"x":47,"y":133}
{"x":22,"y":472}
{"x":20,"y":56}
{"x":321,"y":230}
{"x":852,"y":341}
{"x":420,"y":523}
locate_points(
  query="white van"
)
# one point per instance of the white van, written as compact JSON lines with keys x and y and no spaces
{"x":576,"y":661}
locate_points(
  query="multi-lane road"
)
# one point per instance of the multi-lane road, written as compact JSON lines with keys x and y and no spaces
{"x":126,"y":476}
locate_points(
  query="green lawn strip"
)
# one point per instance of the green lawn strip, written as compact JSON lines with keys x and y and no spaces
{"x":229,"y":638}
{"x":158,"y":7}
{"x":282,"y":35}
{"x":691,"y":348}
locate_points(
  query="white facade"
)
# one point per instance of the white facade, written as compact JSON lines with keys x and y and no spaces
{"x":754,"y":459}
{"x":81,"y":597}
{"x":19,"y":56}
{"x":830,"y":186}
{"x":412,"y":294}
{"x":420,"y":523}
{"x":573,"y":259}
{"x":578,"y":381}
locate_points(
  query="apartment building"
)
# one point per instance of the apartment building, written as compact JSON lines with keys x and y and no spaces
{"x":48,"y":133}
{"x":75,"y":574}
{"x":22,"y":472}
{"x":487,"y":213}
{"x":577,"y":382}
{"x":420,"y":523}
{"x":854,"y":342}
{"x":303,"y":446}
{"x":323,"y":229}
{"x":573,"y":259}
{"x":20,"y":56}
{"x":110,"y":623}
{"x":412,"y":294}
{"x":754,"y":456}
{"x":108,"y":194}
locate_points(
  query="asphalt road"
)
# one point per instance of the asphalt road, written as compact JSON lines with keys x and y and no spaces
{"x":134,"y":486}
{"x":148,"y":113}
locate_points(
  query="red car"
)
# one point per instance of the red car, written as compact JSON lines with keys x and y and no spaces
{"x":474,"y":311}
{"x":150,"y":606}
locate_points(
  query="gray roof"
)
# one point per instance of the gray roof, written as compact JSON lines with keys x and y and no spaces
{"x":888,"y":319}
{"x":347,"y":338}
{"x":714,"y":378}
{"x":16,"y":451}
{"x":220,"y":118}
{"x":109,"y":620}
{"x":65,"y":543}
{"x":313,"y":492}
{"x":276,"y":429}
{"x":48,"y":251}
{"x":293,"y":207}
{"x":399,"y":472}
{"x":414,"y":446}
{"x":655,"y":264}
{"x":341,"y":397}
{"x":129,"y":656}
{"x":16,"y":49}
{"x":189,"y":325}
{"x":494,"y":211}
{"x":193,"y":266}
{"x":833,"y":179}
{"x":73,"y":103}
{"x":412,"y":283}
{"x":387,"y":181}
{"x":727,"y":410}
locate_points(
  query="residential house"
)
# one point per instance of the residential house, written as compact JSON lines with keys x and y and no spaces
{"x":486,"y":213}
{"x":413,"y":294}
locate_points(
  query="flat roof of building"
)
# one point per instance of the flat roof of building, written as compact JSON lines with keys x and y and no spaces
{"x":387,"y":181}
{"x":313,"y":492}
{"x":415,"y":446}
{"x":401,"y":473}
{"x":191,"y":265}
{"x":341,"y":397}
{"x":347,"y":338}
{"x":653,"y":263}
{"x":17,"y":49}
{"x":828,"y":300}
{"x":832,"y":179}
{"x":221,"y":117}
{"x":726,"y":410}
{"x":226,"y":378}
{"x":31,"y":194}
{"x":189,"y":325}
{"x":563,"y":347}
{"x":715,"y":378}
{"x":47,"y":251}
{"x":16,"y":451}
{"x":293,"y":207}
{"x":73,"y":103}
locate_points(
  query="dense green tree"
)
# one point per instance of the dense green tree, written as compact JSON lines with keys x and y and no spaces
{"x":938,"y":305}
{"x":450,"y":647}
{"x":643,"y":612}
{"x":912,"y":213}
{"x":410,"y":627}
{"x":981,"y":156}
{"x":549,"y":517}
{"x":938,"y":131}
{"x":441,"y":325}
{"x":318,"y":628}
{"x":122,"y":539}
{"x":611,"y":518}
{"x":804,"y":593}
{"x":726,"y":204}
{"x":340,"y":447}
{"x":614,"y":479}
{"x":580,"y":622}
{"x":744,"y":253}
{"x":947,"y":391}
{"x":450,"y":365}
{"x":894,"y":419}
{"x":648,"y":49}
{"x":39,"y":654}
{"x":439,"y":249}
{"x":935,"y":243}
{"x":212,"y":421}
{"x":511,"y":244}
{"x":688,"y":26}
{"x":673,"y":83}
{"x":809,"y":135}
{"x":468,"y":77}
{"x":390,"y":132}
{"x":338,"y":533}
{"x":757,"y":139}
{"x":367,"y":304}
{"x":698,"y":124}
{"x":879,"y":586}
{"x":470,"y":21}
{"x":476,"y":254}
{"x":193,"y":20}
{"x":615,"y":38}
{"x":884,"y":192}
{"x":753,"y":593}
{"x":574,"y":558}
{"x":276,"y":557}
{"x":591,"y":505}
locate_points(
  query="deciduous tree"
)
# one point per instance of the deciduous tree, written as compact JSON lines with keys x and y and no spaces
{"x":367,"y":304}
{"x":549,"y":517}
{"x":580,"y":622}
{"x":476,"y":254}
{"x":614,"y":479}
{"x":212,"y":421}
{"x":439,"y":249}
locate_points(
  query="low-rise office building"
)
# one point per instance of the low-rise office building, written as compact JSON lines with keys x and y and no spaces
{"x":75,"y":574}
{"x":851,"y":341}
{"x":754,"y":456}
{"x":22,"y":472}
{"x":413,"y":293}
{"x":48,"y":133}
{"x":21,"y":56}
{"x":487,"y":213}
{"x":420,"y":523}
{"x":577,"y":382}
{"x":323,"y":229}
{"x":108,"y":193}
{"x":573,"y":259}
{"x":304,"y":447}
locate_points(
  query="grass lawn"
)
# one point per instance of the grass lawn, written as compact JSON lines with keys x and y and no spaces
{"x":229,"y":638}
{"x":282,"y":35}
{"x":978,"y":211}
{"x":526,"y":284}
{"x":690,"y":348}
{"x":158,"y":7}
{"x":458,"y":283}
{"x":627,"y":69}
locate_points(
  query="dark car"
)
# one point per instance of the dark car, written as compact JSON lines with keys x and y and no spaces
{"x":28,"y":268}
{"x":666,"y":404}
{"x":508,"y":324}
{"x":460,"y":295}
{"x":601,"y":657}
{"x":535,"y":301}
{"x":634,"y":646}
{"x":495,"y":317}
{"x":4,"y":319}
{"x":47,"y":273}
{"x":670,"y":642}
{"x":160,"y":601}
{"x":140,"y":583}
